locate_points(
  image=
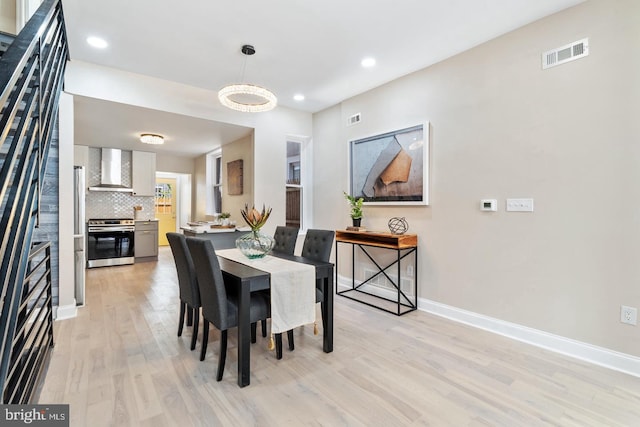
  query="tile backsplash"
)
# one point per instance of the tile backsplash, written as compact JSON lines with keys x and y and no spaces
{"x":112,"y":204}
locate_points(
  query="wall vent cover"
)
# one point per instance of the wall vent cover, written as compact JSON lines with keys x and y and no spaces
{"x":565,"y":53}
{"x":354,"y":119}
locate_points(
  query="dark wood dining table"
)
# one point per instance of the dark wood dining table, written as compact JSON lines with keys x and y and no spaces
{"x":248,"y":279}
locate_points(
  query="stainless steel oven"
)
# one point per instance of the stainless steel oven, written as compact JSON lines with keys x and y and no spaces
{"x":110,"y":242}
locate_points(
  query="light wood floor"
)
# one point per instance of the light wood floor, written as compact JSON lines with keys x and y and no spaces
{"x":120,"y":363}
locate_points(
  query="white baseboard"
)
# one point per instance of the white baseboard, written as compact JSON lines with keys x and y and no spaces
{"x":63,"y":312}
{"x":587,"y":352}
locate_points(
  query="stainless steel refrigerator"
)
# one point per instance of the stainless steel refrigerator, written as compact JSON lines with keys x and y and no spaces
{"x":79,"y":232}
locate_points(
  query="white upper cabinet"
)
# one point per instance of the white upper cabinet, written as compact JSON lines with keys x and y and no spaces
{"x":143,"y":173}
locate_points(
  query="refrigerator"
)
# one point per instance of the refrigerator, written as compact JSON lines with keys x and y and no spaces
{"x":79,"y":232}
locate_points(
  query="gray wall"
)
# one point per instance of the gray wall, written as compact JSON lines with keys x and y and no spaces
{"x":501,"y":127}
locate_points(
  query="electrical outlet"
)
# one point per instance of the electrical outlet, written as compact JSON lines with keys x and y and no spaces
{"x":628,"y":315}
{"x":410,"y":270}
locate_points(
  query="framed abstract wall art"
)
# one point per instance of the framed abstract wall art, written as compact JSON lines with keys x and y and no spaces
{"x":391,"y":168}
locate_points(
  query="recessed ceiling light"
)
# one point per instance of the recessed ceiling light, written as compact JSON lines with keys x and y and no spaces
{"x":368,"y":62}
{"x":97,"y":42}
{"x":298,"y":97}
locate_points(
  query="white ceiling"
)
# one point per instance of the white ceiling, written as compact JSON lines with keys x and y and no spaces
{"x":100,"y":123}
{"x":304,"y":46}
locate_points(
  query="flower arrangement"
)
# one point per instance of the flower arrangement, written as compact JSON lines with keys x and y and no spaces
{"x":255,"y":219}
{"x":224,"y":215}
{"x":255,"y":244}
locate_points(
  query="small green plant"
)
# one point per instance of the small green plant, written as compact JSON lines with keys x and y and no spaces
{"x":224,"y":215}
{"x":355,"y":205}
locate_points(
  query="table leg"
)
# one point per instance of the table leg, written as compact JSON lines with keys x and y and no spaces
{"x":244,"y":336}
{"x":327,"y":332}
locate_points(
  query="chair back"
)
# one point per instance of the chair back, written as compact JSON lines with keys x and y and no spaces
{"x":285,"y":239}
{"x":213,"y":294}
{"x":187,"y":281}
{"x":318,"y":244}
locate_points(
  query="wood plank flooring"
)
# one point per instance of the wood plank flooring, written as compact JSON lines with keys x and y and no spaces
{"x":120,"y":363}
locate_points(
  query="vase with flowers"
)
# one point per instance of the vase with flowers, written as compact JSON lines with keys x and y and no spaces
{"x":255,"y":244}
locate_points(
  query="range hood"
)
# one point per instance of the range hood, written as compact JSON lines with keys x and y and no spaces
{"x":111,"y":172}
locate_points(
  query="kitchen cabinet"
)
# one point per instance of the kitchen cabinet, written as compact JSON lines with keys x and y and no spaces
{"x":143,"y":173}
{"x":221,"y":240}
{"x":146,"y":241}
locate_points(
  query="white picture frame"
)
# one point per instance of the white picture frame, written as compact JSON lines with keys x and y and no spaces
{"x":391,"y":168}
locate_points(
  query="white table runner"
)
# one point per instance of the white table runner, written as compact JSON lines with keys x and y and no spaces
{"x":293,"y":288}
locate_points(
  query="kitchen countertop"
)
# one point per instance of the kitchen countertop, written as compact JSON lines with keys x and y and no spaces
{"x":202,"y":229}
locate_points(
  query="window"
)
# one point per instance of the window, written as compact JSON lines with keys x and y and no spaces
{"x":296,"y":197}
{"x":214,"y":183}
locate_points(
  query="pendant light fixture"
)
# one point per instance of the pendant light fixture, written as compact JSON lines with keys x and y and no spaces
{"x":245,"y":97}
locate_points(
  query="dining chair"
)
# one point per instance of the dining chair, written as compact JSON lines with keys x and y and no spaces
{"x":285,"y":238}
{"x":218,"y":306}
{"x":188,"y":284}
{"x":317,"y":246}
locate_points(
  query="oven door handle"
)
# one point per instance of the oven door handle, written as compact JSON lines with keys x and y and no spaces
{"x":110,"y":229}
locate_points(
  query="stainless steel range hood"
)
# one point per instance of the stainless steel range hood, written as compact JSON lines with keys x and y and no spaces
{"x":111,"y":172}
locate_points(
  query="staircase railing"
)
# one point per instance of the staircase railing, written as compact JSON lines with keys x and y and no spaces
{"x":31,"y":77}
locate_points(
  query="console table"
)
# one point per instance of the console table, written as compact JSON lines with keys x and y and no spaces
{"x":404,"y":245}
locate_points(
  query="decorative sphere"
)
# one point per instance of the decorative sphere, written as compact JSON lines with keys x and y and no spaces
{"x":398,"y":225}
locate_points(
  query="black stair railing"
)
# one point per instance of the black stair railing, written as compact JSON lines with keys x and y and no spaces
{"x":31,"y":77}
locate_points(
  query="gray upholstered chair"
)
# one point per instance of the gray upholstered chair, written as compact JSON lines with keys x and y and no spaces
{"x":317,"y":246}
{"x":218,"y":306}
{"x":188,"y":283}
{"x":285,"y":238}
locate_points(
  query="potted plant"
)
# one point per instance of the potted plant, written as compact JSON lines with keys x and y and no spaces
{"x":356,"y":208}
{"x":224,"y":218}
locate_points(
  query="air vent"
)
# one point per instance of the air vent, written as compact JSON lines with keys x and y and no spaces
{"x":353,"y":119}
{"x":565,"y":53}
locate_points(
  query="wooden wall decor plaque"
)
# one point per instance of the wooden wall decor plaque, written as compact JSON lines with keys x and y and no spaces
{"x":234,"y":177}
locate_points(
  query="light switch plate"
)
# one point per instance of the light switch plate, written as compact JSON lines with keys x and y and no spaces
{"x":519,"y":205}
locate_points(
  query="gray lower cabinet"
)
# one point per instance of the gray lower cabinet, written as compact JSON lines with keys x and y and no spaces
{"x":225,"y":240}
{"x":146,"y":241}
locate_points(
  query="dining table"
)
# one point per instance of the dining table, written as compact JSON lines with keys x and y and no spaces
{"x":248,"y":279}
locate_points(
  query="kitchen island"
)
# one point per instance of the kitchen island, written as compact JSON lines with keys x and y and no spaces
{"x":223,"y":238}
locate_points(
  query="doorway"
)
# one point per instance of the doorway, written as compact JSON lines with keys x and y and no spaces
{"x":165,"y":208}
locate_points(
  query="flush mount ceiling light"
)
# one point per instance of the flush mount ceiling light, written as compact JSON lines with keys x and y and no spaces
{"x":244,"y":97}
{"x":151,"y":138}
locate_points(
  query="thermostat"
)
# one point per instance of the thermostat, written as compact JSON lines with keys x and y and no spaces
{"x":490,"y":205}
